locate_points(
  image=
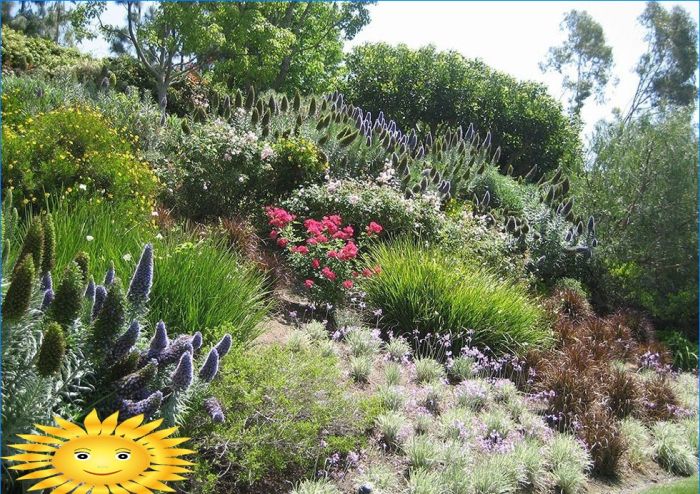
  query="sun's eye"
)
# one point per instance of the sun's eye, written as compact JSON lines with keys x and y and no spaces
{"x":123,"y":456}
{"x":82,"y":456}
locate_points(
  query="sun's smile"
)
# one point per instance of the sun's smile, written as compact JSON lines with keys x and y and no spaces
{"x":104,"y":457}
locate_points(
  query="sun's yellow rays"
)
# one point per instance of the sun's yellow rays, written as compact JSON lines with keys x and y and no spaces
{"x":102,"y":457}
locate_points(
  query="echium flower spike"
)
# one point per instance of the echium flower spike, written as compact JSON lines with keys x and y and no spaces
{"x":82,"y":259}
{"x":147,"y":407}
{"x":53,"y":348}
{"x":111,"y":318}
{"x":126,"y":341}
{"x":224,"y":345}
{"x":160,"y":338}
{"x":100,"y":296}
{"x":211,"y":366}
{"x":183,"y":373}
{"x":69,"y":297}
{"x":48,"y":261}
{"x":213,"y":408}
{"x":109,"y":276}
{"x":46,"y":281}
{"x":136,"y":381}
{"x":141,"y":282}
{"x":48,"y":298}
{"x":170,"y":355}
{"x":197,"y":341}
{"x":90,"y":290}
{"x":33,"y":244}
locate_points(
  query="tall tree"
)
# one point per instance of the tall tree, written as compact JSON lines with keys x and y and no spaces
{"x":166,"y":38}
{"x":667,"y":69}
{"x":584,"y":60}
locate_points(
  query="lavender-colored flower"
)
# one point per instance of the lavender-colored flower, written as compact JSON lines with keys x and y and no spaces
{"x":197,"y":341}
{"x":175,"y":350}
{"x":100,"y":296}
{"x":147,"y":407}
{"x":134,"y":382}
{"x":109,"y":276}
{"x":183,"y":373}
{"x":48,"y":298}
{"x":90,"y":290}
{"x":160,"y":339}
{"x":126,"y":341}
{"x":46,"y":281}
{"x":213,"y":408}
{"x":210,"y":367}
{"x":141,"y":282}
{"x":223,"y":346}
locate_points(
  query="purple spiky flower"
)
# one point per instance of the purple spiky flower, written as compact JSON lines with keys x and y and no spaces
{"x":182,"y":375}
{"x":109,"y":276}
{"x":126,"y":341}
{"x":46,"y":281}
{"x":90,"y":290}
{"x":100,"y":296}
{"x":141,"y":282}
{"x":224,"y":345}
{"x":211,"y":366}
{"x":213,"y":408}
{"x":197,"y":341}
{"x":147,"y":407}
{"x":48,"y":298}
{"x":175,"y":350}
{"x":160,"y":338}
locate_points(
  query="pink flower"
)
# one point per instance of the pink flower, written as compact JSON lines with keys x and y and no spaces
{"x":309,"y":283}
{"x":274,"y":234}
{"x":279,"y":217}
{"x":315,"y":264}
{"x":348,"y":252}
{"x":302,"y":249}
{"x":313,"y":227}
{"x":377,"y":269}
{"x":327,"y":273}
{"x":374,"y":228}
{"x":347,"y":284}
{"x":332,"y":254}
{"x":282,"y":242}
{"x":367,"y":272}
{"x":321,"y":239}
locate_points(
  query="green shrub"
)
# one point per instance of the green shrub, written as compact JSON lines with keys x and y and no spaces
{"x":573,"y":285}
{"x":504,"y":191}
{"x":74,"y":152}
{"x":22,"y":53}
{"x":638,"y":440}
{"x":425,"y":290}
{"x":199,"y":284}
{"x":359,"y":203}
{"x":284,"y":412}
{"x":569,"y":462}
{"x":672,"y":449}
{"x":296,"y":161}
{"x":685,"y":352}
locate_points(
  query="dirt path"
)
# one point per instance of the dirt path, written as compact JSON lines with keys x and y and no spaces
{"x":633,"y":482}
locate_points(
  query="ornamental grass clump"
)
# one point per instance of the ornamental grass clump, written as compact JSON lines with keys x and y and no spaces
{"x":671,"y":449}
{"x":423,"y":289}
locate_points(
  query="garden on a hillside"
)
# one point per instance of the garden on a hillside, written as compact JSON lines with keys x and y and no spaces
{"x":376,"y":270}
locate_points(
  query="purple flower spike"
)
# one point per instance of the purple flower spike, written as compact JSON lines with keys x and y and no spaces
{"x":223,"y":346}
{"x":183,"y":373}
{"x":147,"y":407}
{"x":160,"y":339}
{"x":213,"y":408}
{"x":197,"y":341}
{"x":48,"y":298}
{"x":211,"y":366}
{"x":109,"y":276}
{"x":46,"y":281}
{"x":90,"y":290}
{"x":126,"y":342}
{"x":141,"y":282}
{"x":100,"y":296}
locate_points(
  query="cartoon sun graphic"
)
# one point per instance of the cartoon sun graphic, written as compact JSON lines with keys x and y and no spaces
{"x":103,"y":457}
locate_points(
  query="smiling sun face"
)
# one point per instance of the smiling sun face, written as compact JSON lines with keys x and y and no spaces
{"x":103,"y":457}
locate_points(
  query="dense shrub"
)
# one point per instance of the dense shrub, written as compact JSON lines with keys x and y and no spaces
{"x":434,"y":88}
{"x":199,"y":284}
{"x":424,"y":290}
{"x":20,"y":52}
{"x":360,"y":203}
{"x":296,"y":161}
{"x":74,"y":152}
{"x":685,"y":352}
{"x":285,"y":413}
{"x":505,"y":193}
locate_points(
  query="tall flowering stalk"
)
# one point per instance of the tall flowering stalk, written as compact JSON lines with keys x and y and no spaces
{"x":324,"y":253}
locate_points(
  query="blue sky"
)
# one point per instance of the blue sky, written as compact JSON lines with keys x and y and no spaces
{"x":510,"y":36}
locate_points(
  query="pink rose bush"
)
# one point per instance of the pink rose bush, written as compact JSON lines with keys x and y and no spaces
{"x":325,"y":253}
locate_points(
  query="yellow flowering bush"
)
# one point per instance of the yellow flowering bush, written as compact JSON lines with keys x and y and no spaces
{"x":73,"y":152}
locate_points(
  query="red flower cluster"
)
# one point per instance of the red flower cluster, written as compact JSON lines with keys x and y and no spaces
{"x":324,"y":253}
